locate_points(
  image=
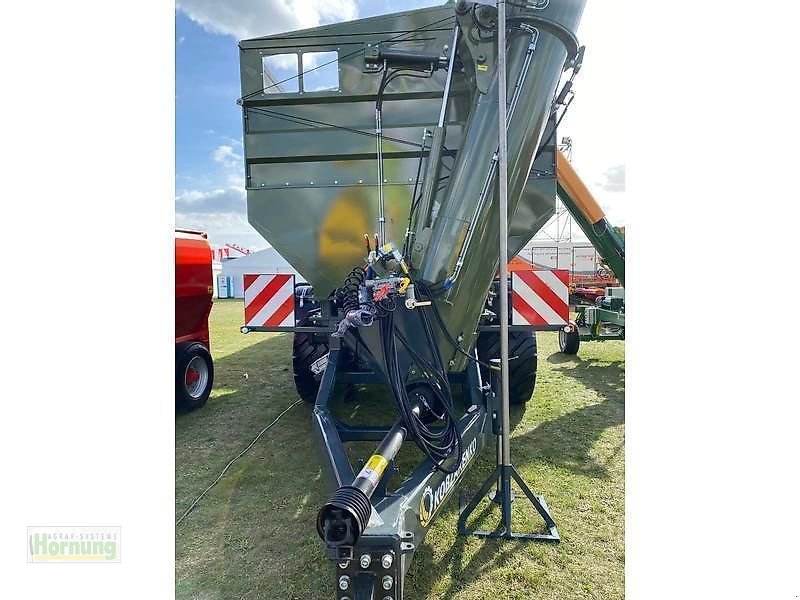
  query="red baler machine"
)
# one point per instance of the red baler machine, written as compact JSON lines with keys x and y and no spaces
{"x":194,"y":290}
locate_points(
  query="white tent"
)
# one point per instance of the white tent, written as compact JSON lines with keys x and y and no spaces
{"x":230,"y":282}
{"x":578,"y":257}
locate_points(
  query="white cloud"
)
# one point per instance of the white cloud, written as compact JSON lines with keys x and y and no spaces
{"x":218,"y":201}
{"x":614,"y":179}
{"x":225,"y":156}
{"x":219,"y":212}
{"x":596,"y":120}
{"x":280,"y":62}
{"x":253,"y":18}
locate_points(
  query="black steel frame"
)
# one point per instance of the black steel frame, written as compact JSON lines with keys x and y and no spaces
{"x":397,"y":527}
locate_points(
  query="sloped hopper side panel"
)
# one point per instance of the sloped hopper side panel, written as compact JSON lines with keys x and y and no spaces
{"x":537,"y":203}
{"x":311,"y":155}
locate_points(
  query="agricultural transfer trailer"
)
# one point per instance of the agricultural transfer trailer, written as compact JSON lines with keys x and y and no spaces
{"x":605,"y":319}
{"x":194,"y":290}
{"x":375,"y":169}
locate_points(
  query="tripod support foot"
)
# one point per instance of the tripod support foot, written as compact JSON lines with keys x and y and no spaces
{"x":501,"y":478}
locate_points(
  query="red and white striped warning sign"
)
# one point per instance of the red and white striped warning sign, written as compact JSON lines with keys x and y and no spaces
{"x":539,"y":297}
{"x":269,"y":300}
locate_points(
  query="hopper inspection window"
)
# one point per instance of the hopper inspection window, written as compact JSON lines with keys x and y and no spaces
{"x":320,"y":71}
{"x":280,"y":73}
{"x":292,"y":72}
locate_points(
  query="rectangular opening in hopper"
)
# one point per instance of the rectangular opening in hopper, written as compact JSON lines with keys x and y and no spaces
{"x":320,"y":71}
{"x":280,"y":73}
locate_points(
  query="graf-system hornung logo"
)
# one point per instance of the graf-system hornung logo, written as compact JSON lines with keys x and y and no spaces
{"x":73,"y":544}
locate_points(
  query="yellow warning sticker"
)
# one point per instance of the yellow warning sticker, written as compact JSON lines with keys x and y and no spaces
{"x":377,"y":463}
{"x":483,"y":67}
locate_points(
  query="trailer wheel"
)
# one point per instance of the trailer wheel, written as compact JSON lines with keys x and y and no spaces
{"x":307,"y":349}
{"x":569,"y":342}
{"x":194,"y":375}
{"x":521,"y":370}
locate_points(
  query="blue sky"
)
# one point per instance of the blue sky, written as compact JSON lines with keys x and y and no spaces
{"x":207,"y":86}
{"x":209,"y":173}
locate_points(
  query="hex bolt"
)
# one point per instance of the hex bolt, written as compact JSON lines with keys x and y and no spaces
{"x":387,"y":560}
{"x":344,"y":582}
{"x":343,"y":564}
{"x":387,"y":582}
{"x":365,"y":560}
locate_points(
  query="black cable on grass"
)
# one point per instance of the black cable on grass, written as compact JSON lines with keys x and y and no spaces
{"x":228,"y":466}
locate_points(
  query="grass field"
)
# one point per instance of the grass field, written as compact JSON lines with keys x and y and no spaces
{"x":253,"y":536}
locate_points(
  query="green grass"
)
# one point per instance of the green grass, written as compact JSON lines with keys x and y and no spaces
{"x":253,"y":536}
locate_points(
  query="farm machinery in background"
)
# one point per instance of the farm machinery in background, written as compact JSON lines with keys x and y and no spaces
{"x":373,"y":169}
{"x":194,"y":290}
{"x":225,"y":251}
{"x":600,"y":311}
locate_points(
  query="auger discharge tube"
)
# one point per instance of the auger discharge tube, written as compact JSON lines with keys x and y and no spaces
{"x":536,"y":56}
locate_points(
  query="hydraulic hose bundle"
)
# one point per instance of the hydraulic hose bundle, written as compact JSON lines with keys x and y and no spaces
{"x":348,"y":293}
{"x":433,"y":396}
{"x":357,"y":312}
{"x":425,"y":406}
{"x":428,"y":400}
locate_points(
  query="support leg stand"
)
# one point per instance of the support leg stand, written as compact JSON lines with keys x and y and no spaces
{"x":501,"y":479}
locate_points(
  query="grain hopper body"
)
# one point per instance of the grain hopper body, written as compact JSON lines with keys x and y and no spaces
{"x":310,"y":155}
{"x":310,"y":144}
{"x":386,"y":129}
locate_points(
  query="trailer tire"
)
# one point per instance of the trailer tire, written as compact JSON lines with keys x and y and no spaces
{"x":194,"y":375}
{"x":306,"y":349}
{"x":521,"y":370}
{"x":569,"y":342}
